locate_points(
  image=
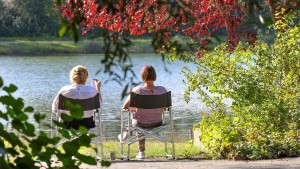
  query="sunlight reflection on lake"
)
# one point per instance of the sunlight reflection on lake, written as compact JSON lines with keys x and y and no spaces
{"x":39,"y":78}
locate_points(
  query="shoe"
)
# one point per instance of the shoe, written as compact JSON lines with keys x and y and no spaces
{"x":140,"y":155}
{"x":125,"y":136}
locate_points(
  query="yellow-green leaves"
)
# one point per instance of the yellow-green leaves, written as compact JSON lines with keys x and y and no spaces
{"x":253,"y":96}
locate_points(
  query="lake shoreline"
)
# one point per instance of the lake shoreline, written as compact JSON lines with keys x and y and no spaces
{"x":39,"y":47}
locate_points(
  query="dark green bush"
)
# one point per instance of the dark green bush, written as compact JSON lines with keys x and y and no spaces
{"x":24,"y":147}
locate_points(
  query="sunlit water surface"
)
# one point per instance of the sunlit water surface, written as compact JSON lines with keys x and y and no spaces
{"x":39,"y":78}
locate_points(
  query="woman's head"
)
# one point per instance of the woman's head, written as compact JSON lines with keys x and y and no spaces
{"x":79,"y":75}
{"x":148,"y":73}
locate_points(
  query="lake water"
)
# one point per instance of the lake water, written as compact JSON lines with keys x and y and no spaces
{"x":39,"y":78}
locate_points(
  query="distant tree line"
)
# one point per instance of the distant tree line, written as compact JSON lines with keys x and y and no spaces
{"x":28,"y":18}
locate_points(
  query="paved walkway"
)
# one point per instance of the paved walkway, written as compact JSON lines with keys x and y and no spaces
{"x":286,"y":163}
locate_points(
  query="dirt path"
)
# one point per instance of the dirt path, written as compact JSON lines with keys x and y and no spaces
{"x":286,"y":163}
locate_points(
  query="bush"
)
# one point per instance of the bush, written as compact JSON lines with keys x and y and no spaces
{"x":24,"y":147}
{"x":253,"y":95}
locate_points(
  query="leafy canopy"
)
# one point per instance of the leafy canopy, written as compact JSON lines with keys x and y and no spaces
{"x":199,"y":20}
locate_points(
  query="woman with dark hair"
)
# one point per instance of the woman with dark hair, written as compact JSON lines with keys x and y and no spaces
{"x":146,"y":117}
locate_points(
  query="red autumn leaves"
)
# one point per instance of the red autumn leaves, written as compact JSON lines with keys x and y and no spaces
{"x":198,"y":19}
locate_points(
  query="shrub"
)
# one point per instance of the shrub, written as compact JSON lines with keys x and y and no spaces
{"x":253,"y":97}
{"x":24,"y":147}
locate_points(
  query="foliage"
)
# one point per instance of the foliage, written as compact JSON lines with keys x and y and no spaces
{"x":28,"y":18}
{"x":23,"y":147}
{"x":200,"y":20}
{"x":194,"y":19}
{"x":253,"y":97}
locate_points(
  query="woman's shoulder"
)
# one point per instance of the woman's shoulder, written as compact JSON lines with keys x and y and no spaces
{"x":161,"y":88}
{"x":78,"y":87}
{"x":88,"y":88}
{"x":66,"y":87}
{"x":141,"y":89}
{"x":137,"y":89}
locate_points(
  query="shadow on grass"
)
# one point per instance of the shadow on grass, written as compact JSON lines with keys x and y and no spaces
{"x":160,"y":159}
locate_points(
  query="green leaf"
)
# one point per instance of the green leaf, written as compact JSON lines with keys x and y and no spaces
{"x":66,"y":117}
{"x":73,"y":32}
{"x":10,"y":89}
{"x":213,"y":89}
{"x":58,"y":2}
{"x":105,"y":163}
{"x":236,"y":119}
{"x":21,"y":116}
{"x":1,"y":81}
{"x":59,"y":124}
{"x":76,"y":111}
{"x":3,"y":116}
{"x":25,"y":161}
{"x":29,"y":129}
{"x":36,"y":146}
{"x":29,"y":109}
{"x":71,"y":147}
{"x":62,"y":30}
{"x":83,"y":130}
{"x":84,"y":140}
{"x":4,"y":163}
{"x":86,"y":159}
{"x":17,"y":124}
{"x":12,"y":151}
{"x":11,"y":101}
{"x":39,"y":117}
{"x":65,"y":133}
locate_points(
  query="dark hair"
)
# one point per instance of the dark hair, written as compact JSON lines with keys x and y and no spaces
{"x":148,"y":73}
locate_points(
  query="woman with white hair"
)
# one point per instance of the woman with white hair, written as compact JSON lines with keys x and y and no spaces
{"x":78,"y":90}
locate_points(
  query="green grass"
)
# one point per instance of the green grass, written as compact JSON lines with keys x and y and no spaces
{"x":54,"y":45}
{"x":154,"y":149}
{"x":41,"y":48}
{"x":28,"y":39}
{"x":50,"y":46}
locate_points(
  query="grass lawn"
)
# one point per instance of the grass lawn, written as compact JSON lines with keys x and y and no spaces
{"x":39,"y":48}
{"x":53,"y":45}
{"x":154,"y":149}
{"x":50,"y":46}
